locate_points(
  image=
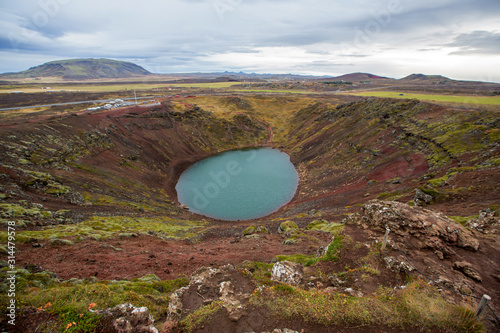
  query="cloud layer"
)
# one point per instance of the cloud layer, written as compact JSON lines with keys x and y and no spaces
{"x":456,"y":38}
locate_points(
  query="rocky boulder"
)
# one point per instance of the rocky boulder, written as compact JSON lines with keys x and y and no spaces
{"x":435,"y":229}
{"x":398,"y":264}
{"x":288,"y":272}
{"x":467,"y":269}
{"x":486,"y":222}
{"x":422,"y":198}
{"x":126,"y":318}
{"x":225,"y":285}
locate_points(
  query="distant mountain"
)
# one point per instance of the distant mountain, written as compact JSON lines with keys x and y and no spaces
{"x":425,"y":78}
{"x":356,"y":77}
{"x":82,"y":69}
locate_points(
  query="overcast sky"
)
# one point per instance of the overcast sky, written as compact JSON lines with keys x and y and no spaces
{"x":456,"y":38}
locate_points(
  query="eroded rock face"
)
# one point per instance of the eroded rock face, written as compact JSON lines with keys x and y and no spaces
{"x":288,"y":272}
{"x":422,"y":198}
{"x":468,"y":270}
{"x":435,"y":229}
{"x":209,"y":285}
{"x":126,"y":318}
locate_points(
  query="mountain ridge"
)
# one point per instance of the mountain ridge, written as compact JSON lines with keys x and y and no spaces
{"x":102,"y":68}
{"x":424,"y":77}
{"x":82,"y":69}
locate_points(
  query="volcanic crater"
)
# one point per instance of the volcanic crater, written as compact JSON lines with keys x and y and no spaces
{"x":93,"y":193}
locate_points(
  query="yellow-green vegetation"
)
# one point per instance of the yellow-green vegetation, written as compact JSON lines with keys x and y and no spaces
{"x":369,"y":263}
{"x":287,"y":226}
{"x":331,"y":254}
{"x":31,"y":214}
{"x":439,"y":194}
{"x":363,"y":127}
{"x":436,"y":186}
{"x":384,"y":195}
{"x":441,"y":181}
{"x":462,"y":219}
{"x":277,"y":91}
{"x":390,"y":196}
{"x":325,"y":226}
{"x":417,"y":306}
{"x":251,"y":230}
{"x":275,"y":110}
{"x":121,"y":87}
{"x":293,"y":232}
{"x":491,"y":100}
{"x":50,"y":147}
{"x":460,"y":135}
{"x":70,"y":300}
{"x":259,"y":271}
{"x":105,"y":200}
{"x":8,"y":210}
{"x":205,"y":85}
{"x":196,"y":319}
{"x":449,"y":136}
{"x":137,"y":195}
{"x":438,"y":182}
{"x":49,"y":183}
{"x":102,"y":227}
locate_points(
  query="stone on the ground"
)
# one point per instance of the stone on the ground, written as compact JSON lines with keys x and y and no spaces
{"x":126,"y":318}
{"x":288,"y":272}
{"x":398,"y":264}
{"x":422,"y":197}
{"x":468,"y":270}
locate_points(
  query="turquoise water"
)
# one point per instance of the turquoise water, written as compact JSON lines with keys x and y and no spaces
{"x":239,"y":185}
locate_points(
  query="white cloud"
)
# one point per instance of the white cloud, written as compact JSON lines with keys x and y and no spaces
{"x":385,"y":37}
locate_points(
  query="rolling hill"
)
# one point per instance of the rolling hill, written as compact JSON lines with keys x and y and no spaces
{"x":82,"y":69}
{"x":357,"y":77}
{"x":425,"y":78}
{"x":361,"y":77}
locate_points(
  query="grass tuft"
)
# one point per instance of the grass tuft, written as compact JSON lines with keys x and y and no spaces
{"x":416,"y":306}
{"x":70,"y":300}
{"x":196,"y":319}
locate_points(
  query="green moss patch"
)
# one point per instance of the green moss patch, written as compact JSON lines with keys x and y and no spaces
{"x":259,"y":271}
{"x":8,"y":210}
{"x":48,"y":183}
{"x":287,"y":226}
{"x":462,"y":219}
{"x":332,"y":254}
{"x":325,"y":226}
{"x":251,"y":230}
{"x":70,"y":300}
{"x":106,"y":227}
{"x":196,"y":319}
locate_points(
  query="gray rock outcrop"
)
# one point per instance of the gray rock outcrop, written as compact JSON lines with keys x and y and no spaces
{"x":288,"y":272}
{"x":486,"y":222}
{"x":434,"y":229}
{"x":467,"y":269}
{"x":208,"y":285}
{"x":126,"y":318}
